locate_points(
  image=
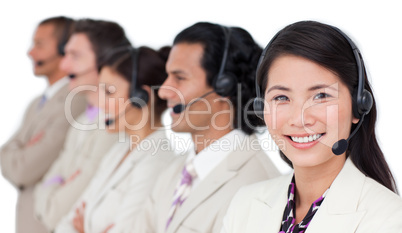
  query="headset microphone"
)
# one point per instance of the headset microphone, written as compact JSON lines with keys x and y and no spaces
{"x":341,"y":146}
{"x":73,"y":76}
{"x":109,"y":122}
{"x":43,"y":62}
{"x":181,"y":107}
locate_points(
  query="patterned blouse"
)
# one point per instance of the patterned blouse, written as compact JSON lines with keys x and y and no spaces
{"x":288,"y":220}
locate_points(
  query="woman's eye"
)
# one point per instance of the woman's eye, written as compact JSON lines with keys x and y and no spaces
{"x":281,"y":98}
{"x":321,"y":96}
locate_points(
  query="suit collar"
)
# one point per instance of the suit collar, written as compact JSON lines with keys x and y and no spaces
{"x":347,"y":186}
{"x":53,"y":89}
{"x":211,"y":156}
{"x":340,"y":207}
{"x":268,"y":206}
{"x":217,"y":178}
{"x":110,"y":176}
{"x":275,"y":199}
{"x":338,"y":213}
{"x":249,"y":146}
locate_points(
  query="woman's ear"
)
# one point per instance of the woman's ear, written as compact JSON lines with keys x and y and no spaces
{"x":147,"y":89}
{"x":355,"y":120}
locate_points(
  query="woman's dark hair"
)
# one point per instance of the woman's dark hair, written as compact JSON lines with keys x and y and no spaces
{"x":150,"y":70}
{"x":104,"y":36}
{"x":324,"y":45}
{"x":243,"y":54}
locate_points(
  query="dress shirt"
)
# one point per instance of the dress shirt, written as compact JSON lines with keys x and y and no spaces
{"x":55,"y":87}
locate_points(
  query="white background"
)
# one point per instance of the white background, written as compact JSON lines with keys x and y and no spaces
{"x":375,"y":27}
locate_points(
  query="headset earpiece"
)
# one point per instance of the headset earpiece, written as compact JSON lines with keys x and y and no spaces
{"x":362,"y":106}
{"x":258,"y":106}
{"x":362,"y":98}
{"x":225,"y":83}
{"x":60,"y":49}
{"x":138,"y":96}
{"x":366,"y":102}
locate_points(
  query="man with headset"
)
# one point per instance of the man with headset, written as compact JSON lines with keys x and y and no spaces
{"x":87,"y":141}
{"x":211,"y":71}
{"x":29,"y":153}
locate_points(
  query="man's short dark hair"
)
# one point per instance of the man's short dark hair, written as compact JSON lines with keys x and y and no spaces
{"x":62,"y":29}
{"x":105,"y":36}
{"x":242,"y":60}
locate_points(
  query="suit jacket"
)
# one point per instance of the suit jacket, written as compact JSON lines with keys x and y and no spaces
{"x":206,"y":205}
{"x":23,"y":163}
{"x":354,"y":203}
{"x":116,"y":196}
{"x":76,"y":165}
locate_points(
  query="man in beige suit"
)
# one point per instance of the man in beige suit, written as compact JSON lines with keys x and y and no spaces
{"x":27,"y":156}
{"x":211,"y":71}
{"x":87,"y":141}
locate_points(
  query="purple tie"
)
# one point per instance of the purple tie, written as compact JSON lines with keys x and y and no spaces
{"x":183,"y":189}
{"x":91,"y":113}
{"x":42,"y":102}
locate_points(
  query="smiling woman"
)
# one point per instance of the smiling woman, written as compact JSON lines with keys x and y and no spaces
{"x":316,"y":92}
{"x":309,"y":102}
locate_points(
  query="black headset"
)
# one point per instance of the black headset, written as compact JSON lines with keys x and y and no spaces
{"x":225,"y":83}
{"x":65,"y":36}
{"x":138,"y":96}
{"x":362,"y":100}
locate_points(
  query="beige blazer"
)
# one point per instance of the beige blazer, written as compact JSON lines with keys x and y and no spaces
{"x":76,"y":165}
{"x":206,"y":205}
{"x":117,"y":196}
{"x":24,"y":165}
{"x":354,"y":203}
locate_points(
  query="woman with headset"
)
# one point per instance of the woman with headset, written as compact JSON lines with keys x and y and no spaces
{"x":127,"y":173}
{"x":317,"y":103}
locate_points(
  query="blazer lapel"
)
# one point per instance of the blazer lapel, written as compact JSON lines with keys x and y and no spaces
{"x":223,"y":173}
{"x":117,"y":175}
{"x":112,"y":176}
{"x":339,"y":211}
{"x":344,"y":223}
{"x":268,"y":208}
